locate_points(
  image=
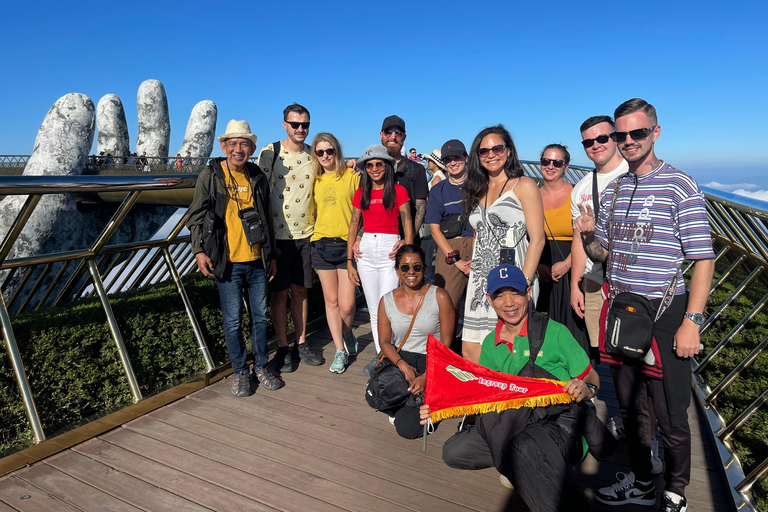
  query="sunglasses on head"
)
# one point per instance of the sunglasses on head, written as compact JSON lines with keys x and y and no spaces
{"x":557,"y":163}
{"x":497,"y":150}
{"x":600,"y":139}
{"x":639,"y":134}
{"x":369,"y":166}
{"x":295,"y":125}
{"x":396,"y":131}
{"x":417,"y":267}
{"x":321,"y":152}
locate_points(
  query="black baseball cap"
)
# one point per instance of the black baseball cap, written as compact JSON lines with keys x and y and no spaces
{"x":453,"y":147}
{"x":395,"y":121}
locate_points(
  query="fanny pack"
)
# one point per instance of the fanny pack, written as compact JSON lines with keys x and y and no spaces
{"x":332,"y":250}
{"x":452,"y":225}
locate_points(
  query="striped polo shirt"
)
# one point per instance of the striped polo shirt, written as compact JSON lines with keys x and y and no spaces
{"x":659,"y":219}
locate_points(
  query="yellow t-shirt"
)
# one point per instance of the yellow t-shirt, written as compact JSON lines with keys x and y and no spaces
{"x":238,"y":190}
{"x":290,"y":191}
{"x":333,"y":198}
{"x":559,"y":222}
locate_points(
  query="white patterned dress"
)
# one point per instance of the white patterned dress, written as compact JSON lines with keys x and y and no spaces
{"x":502,"y":225}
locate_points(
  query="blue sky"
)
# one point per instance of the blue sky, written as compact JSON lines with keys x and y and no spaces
{"x":447,"y":68}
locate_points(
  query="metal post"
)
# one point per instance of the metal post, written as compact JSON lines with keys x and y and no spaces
{"x":190,"y":312}
{"x":113,"y":329}
{"x":21,"y":376}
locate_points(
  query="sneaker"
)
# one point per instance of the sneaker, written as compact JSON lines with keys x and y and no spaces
{"x":672,"y":502}
{"x":369,"y":367}
{"x":505,"y":482}
{"x":309,"y":356}
{"x":350,"y":343}
{"x":241,"y":384}
{"x":616,"y":426}
{"x":658,"y":466}
{"x":626,"y":490}
{"x":283,"y":360}
{"x":268,"y":379}
{"x":392,"y":420}
{"x":339,"y":362}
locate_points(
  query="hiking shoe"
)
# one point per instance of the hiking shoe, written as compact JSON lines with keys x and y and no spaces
{"x":505,"y":482}
{"x":369,"y":367}
{"x":671,"y":502}
{"x":309,"y":356}
{"x":350,"y":343}
{"x":267,"y":379}
{"x":616,"y":426}
{"x":241,"y":384}
{"x":283,"y":360}
{"x":339,"y":362}
{"x":627,"y":490}
{"x":657,"y":465}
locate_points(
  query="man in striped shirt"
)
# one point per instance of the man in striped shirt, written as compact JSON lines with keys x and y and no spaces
{"x":658,"y":219}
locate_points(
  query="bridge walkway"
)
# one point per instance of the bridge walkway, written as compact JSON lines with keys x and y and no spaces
{"x":315,"y":445}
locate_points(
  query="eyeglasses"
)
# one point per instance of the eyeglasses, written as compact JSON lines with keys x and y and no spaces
{"x":557,"y":163}
{"x":321,"y":152}
{"x":295,"y":125}
{"x":369,"y":166}
{"x":396,"y":131}
{"x":639,"y":134}
{"x":497,"y":150}
{"x":600,"y":139}
{"x":417,"y":267}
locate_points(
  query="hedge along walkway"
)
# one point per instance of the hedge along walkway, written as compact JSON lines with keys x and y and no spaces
{"x":313,"y":445}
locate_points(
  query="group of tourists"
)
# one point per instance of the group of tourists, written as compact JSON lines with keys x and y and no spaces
{"x":481,"y":255}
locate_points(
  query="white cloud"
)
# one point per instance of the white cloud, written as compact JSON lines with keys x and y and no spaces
{"x":732,"y":187}
{"x":758,"y":194}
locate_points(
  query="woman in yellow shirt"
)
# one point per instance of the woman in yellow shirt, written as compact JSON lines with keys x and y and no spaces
{"x":333,"y":190}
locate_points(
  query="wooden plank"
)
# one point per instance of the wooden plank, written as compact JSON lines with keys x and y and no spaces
{"x":347,"y":467}
{"x":25,"y":497}
{"x":125,"y":487}
{"x":223,"y":475}
{"x":182,"y":484}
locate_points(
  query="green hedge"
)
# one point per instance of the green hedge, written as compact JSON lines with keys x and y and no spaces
{"x":73,"y":366}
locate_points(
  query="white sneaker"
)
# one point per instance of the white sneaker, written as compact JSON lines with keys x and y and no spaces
{"x":505,"y":482}
{"x":658,"y":466}
{"x":626,"y":490}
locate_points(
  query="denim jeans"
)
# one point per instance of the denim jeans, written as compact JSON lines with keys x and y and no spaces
{"x":251,"y":279}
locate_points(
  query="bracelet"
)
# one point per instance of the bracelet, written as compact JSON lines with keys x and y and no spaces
{"x":350,"y":259}
{"x":529,"y":279}
{"x":452,"y":257}
{"x":592,"y":387}
{"x":398,"y":361}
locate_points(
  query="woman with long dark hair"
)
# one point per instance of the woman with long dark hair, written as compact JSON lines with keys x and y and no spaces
{"x":506,"y":213}
{"x":377,"y":205}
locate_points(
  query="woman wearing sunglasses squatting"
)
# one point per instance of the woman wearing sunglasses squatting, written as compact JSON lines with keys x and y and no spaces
{"x":334,"y":188}
{"x":377,"y":206}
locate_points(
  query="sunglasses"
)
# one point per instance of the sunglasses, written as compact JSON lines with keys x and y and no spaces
{"x":321,"y":152}
{"x":370,"y":166}
{"x":396,"y":131}
{"x":639,"y":134}
{"x":600,"y":139}
{"x":417,"y":267}
{"x":497,"y":150}
{"x":557,"y":163}
{"x":295,"y":125}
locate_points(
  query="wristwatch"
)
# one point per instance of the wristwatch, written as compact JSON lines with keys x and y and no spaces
{"x":696,"y":318}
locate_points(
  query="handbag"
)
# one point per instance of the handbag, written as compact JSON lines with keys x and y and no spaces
{"x":452,"y":225}
{"x":387,"y":388}
{"x":332,"y":250}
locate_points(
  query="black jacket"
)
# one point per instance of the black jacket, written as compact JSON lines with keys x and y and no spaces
{"x":199,"y":207}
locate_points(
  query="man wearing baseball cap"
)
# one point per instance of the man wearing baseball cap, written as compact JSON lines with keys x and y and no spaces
{"x":232,"y":239}
{"x":531,"y":448}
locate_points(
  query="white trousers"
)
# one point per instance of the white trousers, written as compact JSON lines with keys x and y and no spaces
{"x":377,"y":273}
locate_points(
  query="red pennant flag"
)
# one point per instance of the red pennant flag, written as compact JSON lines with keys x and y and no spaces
{"x":456,"y":386}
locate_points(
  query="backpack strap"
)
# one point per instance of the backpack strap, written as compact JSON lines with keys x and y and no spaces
{"x":537,"y":328}
{"x":275,"y":154}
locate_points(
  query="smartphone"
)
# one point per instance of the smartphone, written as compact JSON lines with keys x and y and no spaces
{"x":506,"y":256}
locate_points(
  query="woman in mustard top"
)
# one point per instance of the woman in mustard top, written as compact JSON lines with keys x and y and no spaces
{"x":555,"y":262}
{"x":333,"y":190}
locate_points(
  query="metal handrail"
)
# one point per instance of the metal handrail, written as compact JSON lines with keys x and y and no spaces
{"x":739,"y":231}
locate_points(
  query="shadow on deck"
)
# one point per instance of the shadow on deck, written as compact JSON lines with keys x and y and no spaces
{"x":314,"y":445}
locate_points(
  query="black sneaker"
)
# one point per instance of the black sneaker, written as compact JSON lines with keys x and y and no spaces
{"x":267,"y":379}
{"x":627,"y":490}
{"x":241,"y":384}
{"x":669,"y":505}
{"x":309,"y":356}
{"x":283,"y":360}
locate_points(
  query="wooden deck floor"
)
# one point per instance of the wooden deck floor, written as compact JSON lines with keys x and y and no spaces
{"x":314,"y":445}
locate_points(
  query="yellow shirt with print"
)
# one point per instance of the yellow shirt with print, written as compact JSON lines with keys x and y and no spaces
{"x":333,"y":198}
{"x":290,"y":191}
{"x":239,"y":196}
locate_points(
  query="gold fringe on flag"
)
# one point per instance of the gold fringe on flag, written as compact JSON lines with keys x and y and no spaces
{"x":534,"y":401}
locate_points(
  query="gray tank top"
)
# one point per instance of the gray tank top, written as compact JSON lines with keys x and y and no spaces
{"x":427,"y":322}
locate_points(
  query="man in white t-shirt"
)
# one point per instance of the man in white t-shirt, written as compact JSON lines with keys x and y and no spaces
{"x":586,"y":298}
